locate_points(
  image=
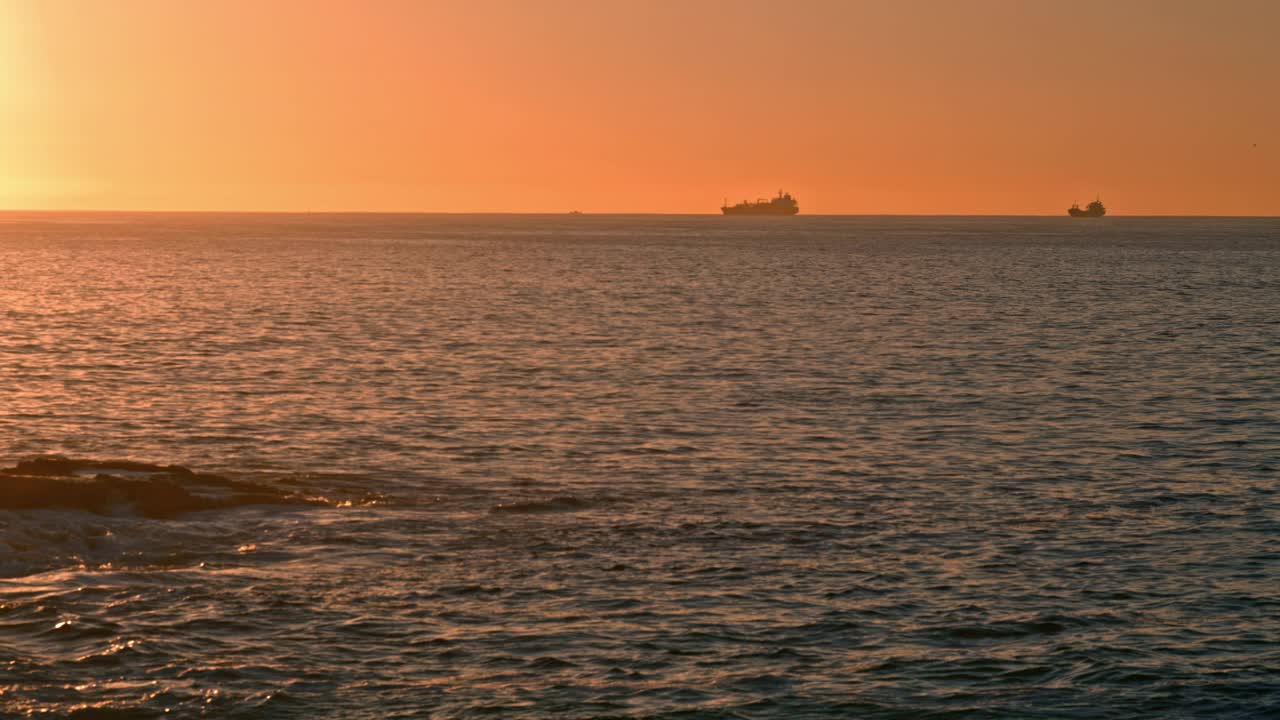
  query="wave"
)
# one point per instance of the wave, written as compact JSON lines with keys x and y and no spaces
{"x":560,"y":503}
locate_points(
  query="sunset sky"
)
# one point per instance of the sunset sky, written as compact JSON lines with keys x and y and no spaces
{"x":975,"y":107}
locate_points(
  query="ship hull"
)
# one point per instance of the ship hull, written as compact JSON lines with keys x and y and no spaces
{"x":1077,"y":212}
{"x":759,"y":210}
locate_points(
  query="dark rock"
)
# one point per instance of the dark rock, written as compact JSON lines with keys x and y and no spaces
{"x":156,"y":491}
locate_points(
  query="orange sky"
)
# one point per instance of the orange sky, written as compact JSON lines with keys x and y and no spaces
{"x":982,"y":106}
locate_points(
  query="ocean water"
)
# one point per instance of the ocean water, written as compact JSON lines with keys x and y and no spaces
{"x":624,"y":467}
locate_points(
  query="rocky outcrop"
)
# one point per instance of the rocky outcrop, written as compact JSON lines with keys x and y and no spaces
{"x":115,"y":487}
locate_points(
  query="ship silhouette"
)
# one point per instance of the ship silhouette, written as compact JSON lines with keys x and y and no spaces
{"x":1093,"y":209}
{"x":783,"y":204}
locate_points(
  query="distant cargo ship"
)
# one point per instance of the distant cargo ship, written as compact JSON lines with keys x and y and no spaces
{"x":1094,"y":209}
{"x":784,"y":204}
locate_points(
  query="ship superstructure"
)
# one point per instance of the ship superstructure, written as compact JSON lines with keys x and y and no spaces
{"x":1093,"y":209}
{"x":783,"y":204}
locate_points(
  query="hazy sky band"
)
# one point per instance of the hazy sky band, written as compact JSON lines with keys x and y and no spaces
{"x":989,"y":106}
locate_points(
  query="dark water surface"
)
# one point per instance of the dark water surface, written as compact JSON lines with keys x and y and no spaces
{"x":649,"y":466}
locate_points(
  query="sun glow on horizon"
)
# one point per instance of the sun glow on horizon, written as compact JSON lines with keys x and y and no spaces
{"x":15,"y":180}
{"x":10,"y":53}
{"x":9,"y":101}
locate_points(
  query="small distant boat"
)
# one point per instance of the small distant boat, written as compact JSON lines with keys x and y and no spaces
{"x":1093,"y":209}
{"x":783,"y":204}
{"x":575,"y":212}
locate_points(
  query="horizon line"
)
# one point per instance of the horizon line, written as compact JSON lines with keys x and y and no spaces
{"x":566,"y":213}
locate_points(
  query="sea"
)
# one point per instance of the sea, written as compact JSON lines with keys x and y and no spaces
{"x":619,"y":466}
